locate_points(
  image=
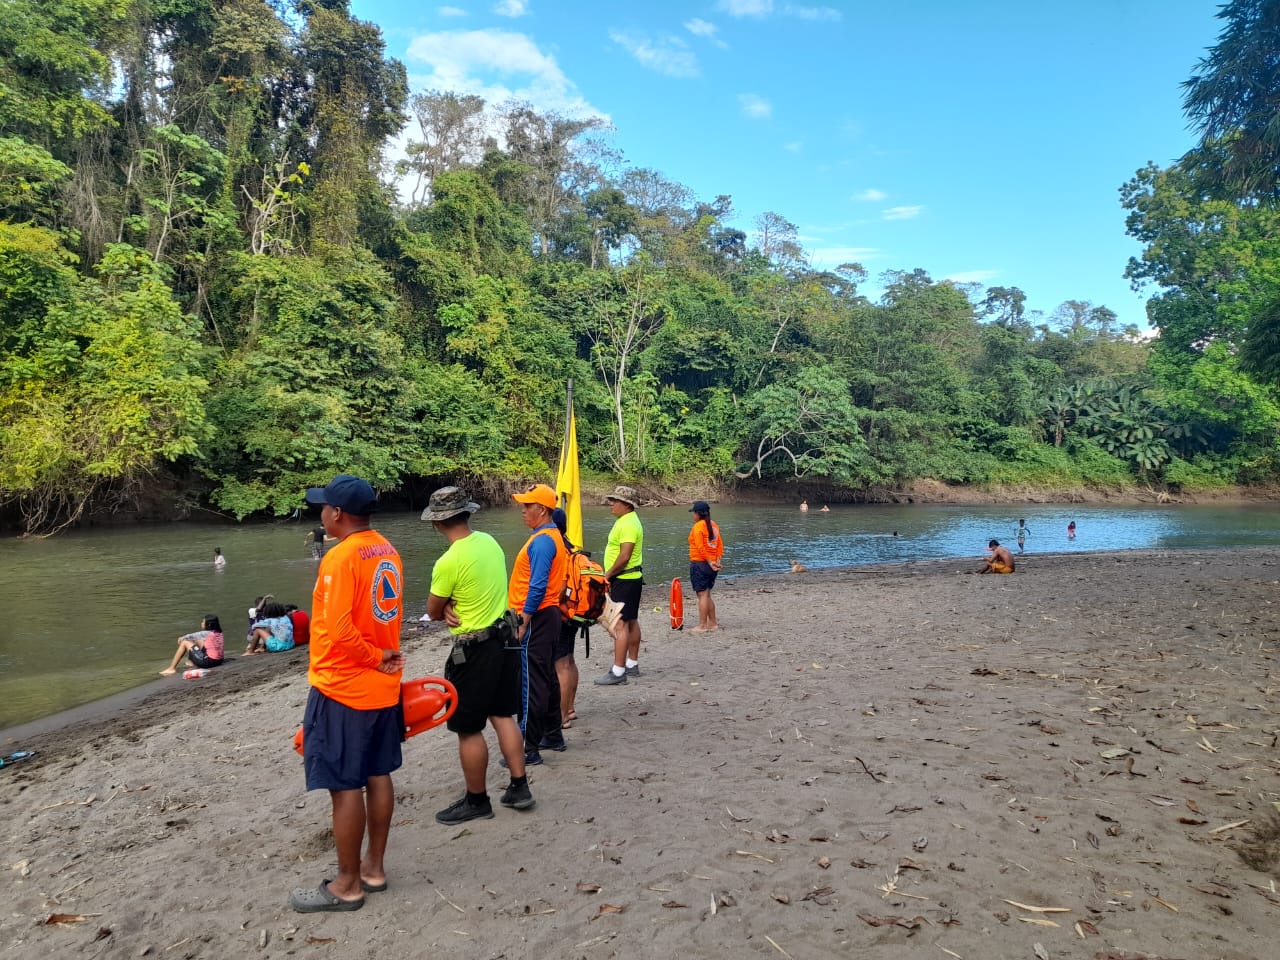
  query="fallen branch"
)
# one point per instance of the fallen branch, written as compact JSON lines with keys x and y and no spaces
{"x":868,"y":769}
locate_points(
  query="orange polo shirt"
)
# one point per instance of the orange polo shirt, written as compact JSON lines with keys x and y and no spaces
{"x":356,"y":611}
{"x":701,"y":547}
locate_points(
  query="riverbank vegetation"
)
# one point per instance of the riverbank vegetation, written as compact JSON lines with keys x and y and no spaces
{"x":217,"y":277}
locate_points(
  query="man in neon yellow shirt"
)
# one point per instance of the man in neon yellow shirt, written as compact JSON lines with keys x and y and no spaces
{"x":623,"y":556}
{"x":469,"y":592}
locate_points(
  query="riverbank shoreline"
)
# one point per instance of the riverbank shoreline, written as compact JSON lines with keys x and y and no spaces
{"x":865,"y":760}
{"x":596,"y":490}
{"x":241,"y":673}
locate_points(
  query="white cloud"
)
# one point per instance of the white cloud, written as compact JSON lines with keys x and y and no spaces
{"x":754,"y":106}
{"x":498,"y":65}
{"x":450,"y":12}
{"x":708,"y":31}
{"x":872,"y":195}
{"x":764,"y":8}
{"x":972,"y":276}
{"x":795,"y":146}
{"x":816,"y":14}
{"x":668,"y":56}
{"x":511,"y":8}
{"x":746,"y":8}
{"x":902,"y":213}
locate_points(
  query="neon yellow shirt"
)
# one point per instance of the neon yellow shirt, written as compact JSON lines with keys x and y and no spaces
{"x":626,"y":529}
{"x":473,"y":572}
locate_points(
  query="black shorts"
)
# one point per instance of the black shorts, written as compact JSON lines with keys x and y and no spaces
{"x":488,"y":684}
{"x":343,"y":747}
{"x":627,"y":593}
{"x":701,"y":576}
{"x":199,"y":658}
{"x":569,"y":631}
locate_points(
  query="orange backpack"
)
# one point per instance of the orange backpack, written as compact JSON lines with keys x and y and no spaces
{"x":585,"y":589}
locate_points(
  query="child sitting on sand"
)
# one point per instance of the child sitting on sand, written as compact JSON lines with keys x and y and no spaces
{"x":273,"y":630}
{"x":204,"y":648}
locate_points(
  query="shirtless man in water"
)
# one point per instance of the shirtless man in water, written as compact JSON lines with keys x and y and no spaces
{"x":1000,"y":561}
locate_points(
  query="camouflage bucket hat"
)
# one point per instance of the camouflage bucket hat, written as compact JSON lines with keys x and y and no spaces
{"x":625,"y":495}
{"x":448,"y":502}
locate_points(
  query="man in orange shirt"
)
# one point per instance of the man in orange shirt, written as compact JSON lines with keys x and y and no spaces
{"x":353,"y":723}
{"x":537,"y":579}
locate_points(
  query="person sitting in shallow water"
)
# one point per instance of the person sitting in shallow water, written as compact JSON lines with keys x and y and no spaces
{"x":204,"y":648}
{"x":1000,"y":561}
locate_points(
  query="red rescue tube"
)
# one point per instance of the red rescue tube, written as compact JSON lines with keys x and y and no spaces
{"x":428,"y":702}
{"x":677,"y":605}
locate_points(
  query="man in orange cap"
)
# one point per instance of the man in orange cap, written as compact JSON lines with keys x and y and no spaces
{"x":537,"y":577}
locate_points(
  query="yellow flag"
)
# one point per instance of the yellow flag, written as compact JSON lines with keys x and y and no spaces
{"x":568,"y":489}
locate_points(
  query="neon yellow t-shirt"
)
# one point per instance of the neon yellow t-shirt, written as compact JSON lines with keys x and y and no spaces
{"x":626,"y":529}
{"x":473,"y":572}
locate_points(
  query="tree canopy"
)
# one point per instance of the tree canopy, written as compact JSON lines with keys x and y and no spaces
{"x":221,"y":281}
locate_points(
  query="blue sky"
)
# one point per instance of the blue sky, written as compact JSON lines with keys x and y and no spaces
{"x":981,"y":141}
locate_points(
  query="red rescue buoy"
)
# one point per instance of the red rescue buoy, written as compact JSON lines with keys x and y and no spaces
{"x":428,"y":702}
{"x":677,"y":605}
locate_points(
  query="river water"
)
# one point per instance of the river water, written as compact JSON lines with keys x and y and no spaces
{"x":92,"y":613}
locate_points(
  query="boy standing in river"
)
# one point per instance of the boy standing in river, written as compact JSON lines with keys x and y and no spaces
{"x":1021,"y":535}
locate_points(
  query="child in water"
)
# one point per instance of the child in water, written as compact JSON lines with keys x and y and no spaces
{"x":204,"y":648}
{"x":219,"y":561}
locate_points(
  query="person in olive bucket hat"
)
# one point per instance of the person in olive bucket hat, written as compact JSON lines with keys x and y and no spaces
{"x":469,"y":593}
{"x":623,"y":556}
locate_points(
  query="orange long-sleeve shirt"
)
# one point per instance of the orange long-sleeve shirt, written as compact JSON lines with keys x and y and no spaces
{"x":701,"y":547}
{"x":356,"y":610}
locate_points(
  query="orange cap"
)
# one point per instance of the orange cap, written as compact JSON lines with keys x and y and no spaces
{"x":540,"y":494}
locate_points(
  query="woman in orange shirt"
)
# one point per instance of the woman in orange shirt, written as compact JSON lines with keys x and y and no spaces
{"x":706,"y":547}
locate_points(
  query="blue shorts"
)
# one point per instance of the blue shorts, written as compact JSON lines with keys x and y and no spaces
{"x":342,"y":747}
{"x":701,"y":576}
{"x":627,"y":593}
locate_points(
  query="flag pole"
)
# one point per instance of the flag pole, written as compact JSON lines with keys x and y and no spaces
{"x":568,"y":419}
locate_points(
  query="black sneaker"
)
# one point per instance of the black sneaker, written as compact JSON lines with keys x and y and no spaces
{"x":610,"y":679}
{"x":632,"y":671}
{"x":517,"y":798}
{"x":558,"y":744}
{"x":466,"y":809}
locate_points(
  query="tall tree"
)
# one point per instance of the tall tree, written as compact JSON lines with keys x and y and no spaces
{"x":1234,"y":98}
{"x":355,"y":106}
{"x":452,"y":126}
{"x":558,"y":176}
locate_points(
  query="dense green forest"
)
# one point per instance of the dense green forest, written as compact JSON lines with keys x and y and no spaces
{"x":219,"y":284}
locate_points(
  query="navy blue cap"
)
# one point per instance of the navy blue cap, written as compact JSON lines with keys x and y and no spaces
{"x":347,"y":493}
{"x":700,"y":506}
{"x":560,"y":519}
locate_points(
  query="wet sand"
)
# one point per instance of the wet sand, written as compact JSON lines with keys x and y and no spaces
{"x":1079,"y":760}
